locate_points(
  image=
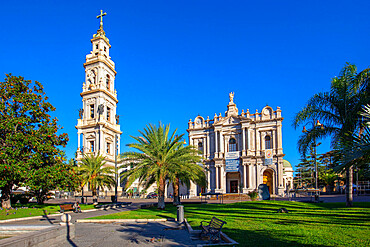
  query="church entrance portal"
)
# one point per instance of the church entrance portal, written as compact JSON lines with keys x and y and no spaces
{"x":232,"y":182}
{"x":267,"y":179}
{"x":234,"y":186}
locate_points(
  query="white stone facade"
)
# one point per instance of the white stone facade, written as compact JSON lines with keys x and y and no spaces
{"x":98,"y":126}
{"x":252,"y":140}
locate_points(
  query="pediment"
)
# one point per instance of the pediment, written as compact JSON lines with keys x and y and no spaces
{"x":230,"y":120}
{"x":90,"y":136}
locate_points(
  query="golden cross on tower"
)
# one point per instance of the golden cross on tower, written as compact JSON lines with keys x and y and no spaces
{"x":101,"y":18}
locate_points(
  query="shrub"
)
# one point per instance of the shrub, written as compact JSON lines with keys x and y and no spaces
{"x":253,"y":195}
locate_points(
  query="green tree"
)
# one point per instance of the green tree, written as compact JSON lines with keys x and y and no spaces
{"x":159,"y":157}
{"x":304,"y":174}
{"x":57,"y":176}
{"x":328,"y":177}
{"x":338,"y":111}
{"x":28,"y":135}
{"x":93,"y":173}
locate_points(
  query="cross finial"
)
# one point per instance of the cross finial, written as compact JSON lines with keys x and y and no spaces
{"x":101,"y":18}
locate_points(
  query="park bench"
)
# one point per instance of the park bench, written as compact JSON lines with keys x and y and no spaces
{"x":212,"y":229}
{"x":65,"y":207}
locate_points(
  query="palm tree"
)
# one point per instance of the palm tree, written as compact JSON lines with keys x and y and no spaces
{"x":186,"y":171}
{"x":355,"y":149}
{"x":159,"y":156}
{"x":94,"y":174}
{"x":338,"y":111}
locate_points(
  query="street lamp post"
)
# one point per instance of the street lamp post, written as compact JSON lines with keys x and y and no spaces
{"x":315,"y":125}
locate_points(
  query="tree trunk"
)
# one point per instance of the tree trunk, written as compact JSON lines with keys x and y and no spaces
{"x":95,"y":199}
{"x":5,"y":197}
{"x":161,"y":190}
{"x":349,"y":189}
{"x":176,"y":196}
{"x":40,"y":197}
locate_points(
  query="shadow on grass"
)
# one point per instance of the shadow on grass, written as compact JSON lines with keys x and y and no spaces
{"x":264,"y":238}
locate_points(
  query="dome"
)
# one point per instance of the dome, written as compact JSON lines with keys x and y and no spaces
{"x":286,"y":164}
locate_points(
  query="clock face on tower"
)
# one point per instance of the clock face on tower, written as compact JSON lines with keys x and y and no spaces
{"x":199,"y":121}
{"x":266,"y":112}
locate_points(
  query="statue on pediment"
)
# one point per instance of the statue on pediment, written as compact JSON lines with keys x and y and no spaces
{"x":231,"y":96}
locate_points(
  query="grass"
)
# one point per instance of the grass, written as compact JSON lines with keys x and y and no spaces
{"x":33,"y":209}
{"x":259,"y":224}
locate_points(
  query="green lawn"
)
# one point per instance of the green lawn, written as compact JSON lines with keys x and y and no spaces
{"x":32,"y":209}
{"x":259,"y":224}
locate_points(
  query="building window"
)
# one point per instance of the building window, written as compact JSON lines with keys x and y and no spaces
{"x":92,"y":111}
{"x":96,"y":46}
{"x":108,"y":82}
{"x":267,"y":142}
{"x":108,"y":148}
{"x":232,"y":145}
{"x":105,"y":48}
{"x":200,"y":147}
{"x":108,"y":114}
{"x":92,"y":147}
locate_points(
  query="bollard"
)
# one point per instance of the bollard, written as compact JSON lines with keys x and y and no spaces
{"x":180,"y":214}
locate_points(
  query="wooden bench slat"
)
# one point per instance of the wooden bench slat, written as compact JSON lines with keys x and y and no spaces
{"x":213,"y":229}
{"x":64,"y":207}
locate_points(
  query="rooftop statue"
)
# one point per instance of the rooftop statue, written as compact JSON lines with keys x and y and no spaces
{"x":231,"y":96}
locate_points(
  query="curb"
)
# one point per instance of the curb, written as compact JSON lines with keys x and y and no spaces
{"x":43,"y":216}
{"x":119,"y":220}
{"x":29,"y":218}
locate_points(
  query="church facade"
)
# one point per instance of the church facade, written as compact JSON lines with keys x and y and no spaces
{"x":98,"y":126}
{"x":241,"y":151}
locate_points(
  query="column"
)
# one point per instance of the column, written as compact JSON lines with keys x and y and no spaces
{"x":209,"y":178}
{"x":247,"y":139}
{"x":96,"y":143}
{"x":204,"y":141}
{"x":79,"y":141}
{"x":279,"y":136}
{"x":217,"y":177}
{"x":257,"y":176}
{"x":249,"y":176}
{"x":208,"y":144}
{"x":221,"y":144}
{"x":244,"y":176}
{"x":243,"y":147}
{"x":223,"y":179}
{"x":216,"y":142}
{"x":102,"y":143}
{"x":83,"y":143}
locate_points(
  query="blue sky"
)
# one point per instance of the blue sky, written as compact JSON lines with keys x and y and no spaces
{"x":178,"y":59}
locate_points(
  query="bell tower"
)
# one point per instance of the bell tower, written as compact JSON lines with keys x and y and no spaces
{"x":98,"y":124}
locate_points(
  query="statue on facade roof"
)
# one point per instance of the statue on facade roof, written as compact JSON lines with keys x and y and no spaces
{"x":231,"y":96}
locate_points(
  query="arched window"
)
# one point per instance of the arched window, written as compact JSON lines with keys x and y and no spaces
{"x":108,"y":82}
{"x":200,"y":146}
{"x":267,"y":142}
{"x":232,"y":145}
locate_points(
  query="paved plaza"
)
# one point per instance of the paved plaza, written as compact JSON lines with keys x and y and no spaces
{"x":167,"y":233}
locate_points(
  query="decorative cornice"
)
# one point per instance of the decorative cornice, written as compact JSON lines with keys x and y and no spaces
{"x":99,"y":90}
{"x":96,"y":60}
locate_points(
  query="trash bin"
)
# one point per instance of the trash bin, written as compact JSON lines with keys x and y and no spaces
{"x":113,"y":198}
{"x":180,"y":214}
